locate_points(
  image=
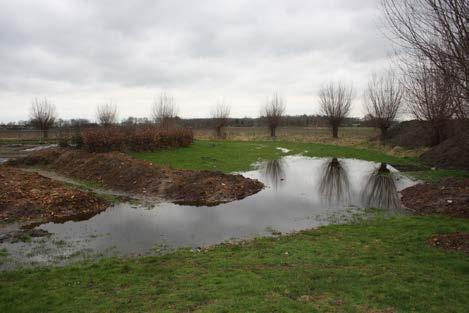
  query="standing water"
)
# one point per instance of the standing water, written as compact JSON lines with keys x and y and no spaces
{"x":300,"y":193}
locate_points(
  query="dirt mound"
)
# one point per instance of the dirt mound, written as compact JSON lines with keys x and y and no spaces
{"x":410,"y":134}
{"x":31,"y":197}
{"x":118,"y":171}
{"x":449,"y":197}
{"x":416,"y":134}
{"x":451,"y":153}
{"x":455,"y":241}
{"x":202,"y":188}
{"x":113,"y":170}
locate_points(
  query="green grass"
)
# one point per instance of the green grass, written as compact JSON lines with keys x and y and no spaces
{"x":438,"y":174}
{"x":229,"y":156}
{"x":380,"y":264}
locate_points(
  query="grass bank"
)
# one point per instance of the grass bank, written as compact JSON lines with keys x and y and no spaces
{"x":229,"y":156}
{"x":376,"y":265}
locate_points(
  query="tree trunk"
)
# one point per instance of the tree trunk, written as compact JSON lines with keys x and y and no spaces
{"x":383,"y":135}
{"x":272,"y":131}
{"x":219,"y":132}
{"x":45,"y":134}
{"x":438,"y":133}
{"x":335,"y":131}
{"x":383,"y":168}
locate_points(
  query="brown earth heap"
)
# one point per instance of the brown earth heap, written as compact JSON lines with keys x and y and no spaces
{"x":119,"y":171}
{"x":451,"y":153}
{"x":449,"y":197}
{"x":455,"y":241}
{"x":30,"y":198}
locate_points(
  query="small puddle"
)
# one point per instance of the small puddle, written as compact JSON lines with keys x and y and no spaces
{"x":301,"y":193}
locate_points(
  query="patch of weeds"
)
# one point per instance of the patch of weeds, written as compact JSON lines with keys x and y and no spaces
{"x":273,"y":231}
{"x":22,"y":237}
{"x":437,"y":175}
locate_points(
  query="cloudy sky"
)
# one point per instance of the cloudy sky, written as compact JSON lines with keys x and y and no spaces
{"x":80,"y":54}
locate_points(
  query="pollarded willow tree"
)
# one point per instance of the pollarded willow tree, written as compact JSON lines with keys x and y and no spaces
{"x":164,"y":111}
{"x":335,"y":101}
{"x":383,"y":99}
{"x":220,"y":115}
{"x":107,"y":114}
{"x":431,"y":95}
{"x":43,"y":115}
{"x":438,"y":31}
{"x":272,"y":112}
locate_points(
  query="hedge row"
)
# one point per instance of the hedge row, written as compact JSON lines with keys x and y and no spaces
{"x":142,"y":138}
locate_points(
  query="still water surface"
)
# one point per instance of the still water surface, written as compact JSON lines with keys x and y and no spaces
{"x":301,"y":193}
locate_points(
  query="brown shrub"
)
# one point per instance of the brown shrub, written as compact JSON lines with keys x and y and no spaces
{"x":139,"y":138}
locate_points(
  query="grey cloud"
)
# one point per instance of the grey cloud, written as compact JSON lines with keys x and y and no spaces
{"x":179,"y":44}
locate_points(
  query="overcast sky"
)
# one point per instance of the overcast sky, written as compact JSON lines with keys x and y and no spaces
{"x":79,"y":54}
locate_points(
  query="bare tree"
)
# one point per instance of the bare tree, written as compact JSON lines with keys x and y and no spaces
{"x":437,"y":30}
{"x":43,"y":115}
{"x":220,"y":114}
{"x":430,"y":95}
{"x":164,"y":111}
{"x":335,"y":100}
{"x":383,"y":98}
{"x":273,"y":111}
{"x":107,"y":114}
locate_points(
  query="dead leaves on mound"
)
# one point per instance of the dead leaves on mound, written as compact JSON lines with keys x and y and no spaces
{"x":119,"y":171}
{"x":455,"y":241}
{"x":31,"y":197}
{"x":450,"y":197}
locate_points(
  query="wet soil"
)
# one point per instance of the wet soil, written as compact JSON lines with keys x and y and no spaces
{"x":31,"y":198}
{"x":119,"y":171}
{"x":449,"y":197}
{"x":455,"y":241}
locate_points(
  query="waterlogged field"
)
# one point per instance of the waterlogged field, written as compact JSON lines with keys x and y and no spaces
{"x":230,"y":156}
{"x":375,"y":263}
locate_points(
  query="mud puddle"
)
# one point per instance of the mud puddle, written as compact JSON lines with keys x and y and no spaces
{"x":301,"y":193}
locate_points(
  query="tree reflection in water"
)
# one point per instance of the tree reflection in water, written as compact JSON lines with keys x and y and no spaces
{"x":380,"y":190}
{"x":274,"y":172}
{"x":334,"y":185}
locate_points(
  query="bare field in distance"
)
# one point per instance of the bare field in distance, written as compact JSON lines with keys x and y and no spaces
{"x":347,"y":135}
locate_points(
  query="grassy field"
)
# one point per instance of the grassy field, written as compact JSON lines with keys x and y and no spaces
{"x":383,"y":265}
{"x":228,"y":156}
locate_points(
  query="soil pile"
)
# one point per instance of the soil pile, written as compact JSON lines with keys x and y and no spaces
{"x":30,"y":197}
{"x":119,"y":171}
{"x":449,"y":197}
{"x":209,"y":188}
{"x":410,"y":134}
{"x":451,"y":153}
{"x":456,"y":241}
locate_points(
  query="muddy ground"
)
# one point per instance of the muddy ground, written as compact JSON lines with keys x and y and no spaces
{"x":449,"y":197}
{"x":30,"y":198}
{"x":118,"y":171}
{"x":455,"y":241}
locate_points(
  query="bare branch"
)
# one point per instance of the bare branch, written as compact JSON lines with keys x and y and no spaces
{"x":273,"y":111}
{"x":431,"y":96}
{"x":164,"y":111}
{"x":437,"y":30}
{"x":43,"y":115}
{"x":383,"y":99}
{"x":335,"y":100}
{"x":107,"y":114}
{"x":220,"y":115}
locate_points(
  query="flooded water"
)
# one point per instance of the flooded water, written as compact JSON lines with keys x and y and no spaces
{"x":301,"y":193}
